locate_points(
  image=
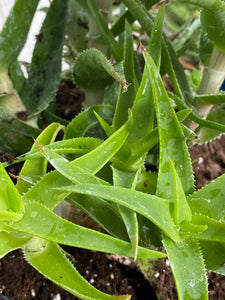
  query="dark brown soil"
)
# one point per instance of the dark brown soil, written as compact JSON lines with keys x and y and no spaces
{"x":68,"y":100}
{"x":209,"y":161}
{"x":19,"y":281}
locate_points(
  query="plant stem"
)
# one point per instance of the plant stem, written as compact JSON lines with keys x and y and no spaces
{"x":95,"y":40}
{"x":93,"y":97}
{"x":214,"y":74}
{"x":212,"y":79}
{"x":6,"y":84}
{"x":10,"y":98}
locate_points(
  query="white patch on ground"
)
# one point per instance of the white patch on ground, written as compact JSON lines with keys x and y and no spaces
{"x":200,"y":160}
{"x":57,"y":297}
{"x":33,"y":294}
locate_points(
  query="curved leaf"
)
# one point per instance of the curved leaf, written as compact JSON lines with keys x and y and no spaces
{"x":182,"y":212}
{"x":212,"y":99}
{"x":194,"y":116}
{"x":13,"y":36}
{"x":216,"y":115}
{"x":188,"y":269}
{"x":52,"y":263}
{"x":38,"y":166}
{"x":106,"y":150}
{"x":210,"y":200}
{"x":45,"y":70}
{"x":87,"y":119}
{"x":172,"y":140}
{"x":153,"y":208}
{"x":125,"y":100}
{"x":11,"y":204}
{"x":15,"y":134}
{"x":214,"y":256}
{"x":213,"y":22}
{"x":100,"y":210}
{"x":93,"y":161}
{"x":108,"y":37}
{"x":169,"y":58}
{"x":76,"y":26}
{"x":92,"y":70}
{"x":215,"y":229}
{"x":128,"y":180}
{"x":76,"y":146}
{"x":43,"y":223}
{"x":10,"y":241}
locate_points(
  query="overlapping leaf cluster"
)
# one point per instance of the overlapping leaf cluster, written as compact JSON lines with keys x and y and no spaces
{"x":105,"y":175}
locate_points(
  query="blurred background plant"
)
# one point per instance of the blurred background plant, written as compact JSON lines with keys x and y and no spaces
{"x":83,"y":25}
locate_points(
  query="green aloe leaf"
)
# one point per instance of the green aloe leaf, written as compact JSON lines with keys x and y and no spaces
{"x":53,"y":264}
{"x":45,"y":72}
{"x":153,"y":208}
{"x":187,"y":36}
{"x":188,"y":269}
{"x":68,"y":169}
{"x":11,"y":241}
{"x":93,"y":161}
{"x":17,"y":76}
{"x":143,"y":113}
{"x":41,"y":222}
{"x":13,"y":37}
{"x":212,"y":99}
{"x":11,"y":204}
{"x":210,"y":200}
{"x":143,"y":108}
{"x":79,"y":126}
{"x":182,"y":211}
{"x":214,"y":256}
{"x":43,"y":191}
{"x":194,"y":116}
{"x":172,"y":140}
{"x":170,"y":61}
{"x":104,"y":213}
{"x":15,"y":134}
{"x":76,"y":26}
{"x":38,"y":166}
{"x":106,"y":150}
{"x":212,"y":19}
{"x":105,"y":126}
{"x":128,"y":180}
{"x":216,"y":115}
{"x":125,"y":100}
{"x":155,"y":42}
{"x":92,"y":70}
{"x":76,"y":146}
{"x":215,"y":229}
{"x":106,"y":34}
{"x":183,"y":114}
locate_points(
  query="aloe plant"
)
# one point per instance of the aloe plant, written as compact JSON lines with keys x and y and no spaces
{"x":102,"y":170}
{"x":28,"y":97}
